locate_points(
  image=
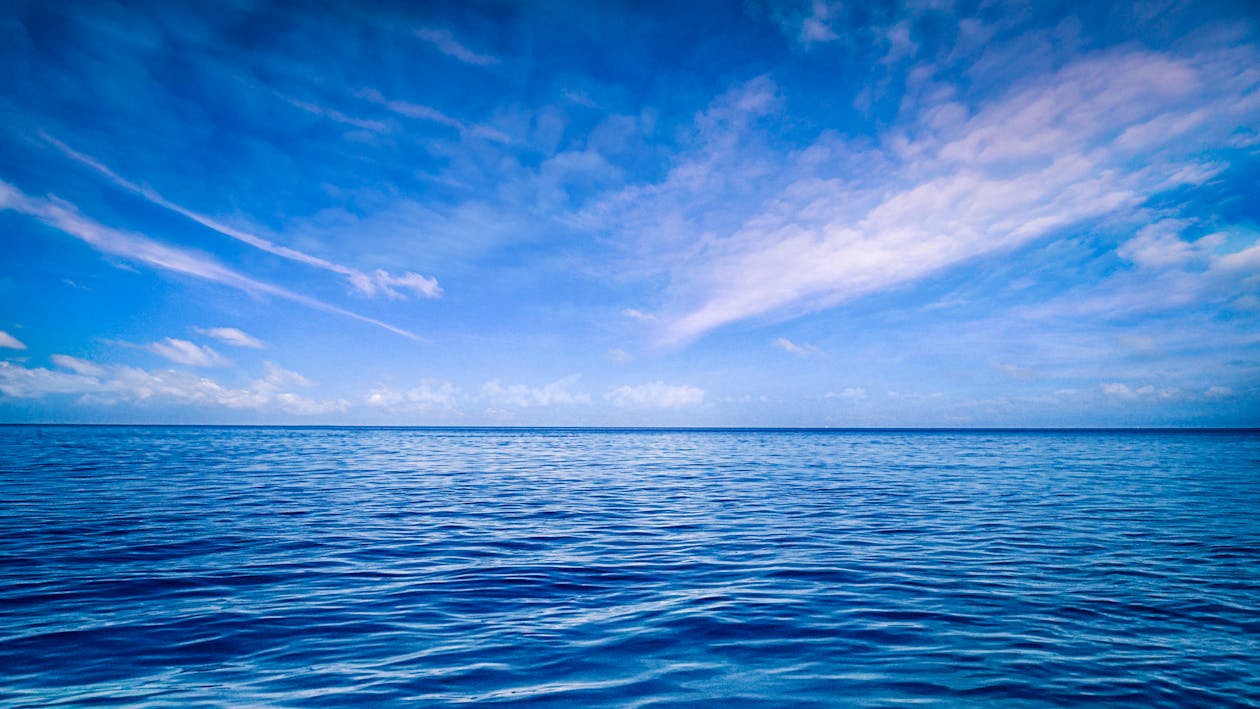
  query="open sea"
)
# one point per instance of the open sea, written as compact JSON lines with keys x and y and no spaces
{"x":187,"y":566}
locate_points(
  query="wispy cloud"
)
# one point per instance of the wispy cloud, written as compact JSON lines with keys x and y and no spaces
{"x":656,"y":395}
{"x":78,"y":366}
{"x":10,"y":342}
{"x":947,"y":184}
{"x":560,"y":392}
{"x":189,"y":353}
{"x":638,"y":315}
{"x":847,"y":394}
{"x":432,"y":115}
{"x":378,"y":282}
{"x":801,"y":350}
{"x":134,"y":247}
{"x":231,"y":336}
{"x":109,"y":385}
{"x":429,"y":395}
{"x":619,"y":356}
{"x":445,"y":42}
{"x":333,"y":114}
{"x":1128,"y":392}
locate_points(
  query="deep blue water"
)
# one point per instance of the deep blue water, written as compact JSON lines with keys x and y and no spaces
{"x":423,"y":567}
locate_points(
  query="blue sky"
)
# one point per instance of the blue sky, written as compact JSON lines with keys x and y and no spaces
{"x":716,"y":214}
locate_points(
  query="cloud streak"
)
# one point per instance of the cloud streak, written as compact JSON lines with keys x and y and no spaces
{"x":432,"y":115}
{"x":231,"y":336}
{"x":377,"y":283}
{"x":949,"y":183}
{"x":800,"y":350}
{"x":141,"y":249}
{"x":445,"y":42}
{"x":10,"y":342}
{"x":189,"y":353}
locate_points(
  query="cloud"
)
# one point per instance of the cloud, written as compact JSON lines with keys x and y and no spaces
{"x":185,"y":352}
{"x":78,"y":366}
{"x":332,"y":114}
{"x":1015,"y":371}
{"x":847,"y":394}
{"x":1126,"y":392}
{"x":414,"y":282}
{"x":134,"y":247}
{"x":429,"y":395}
{"x":32,"y":383}
{"x":658,"y":395}
{"x":814,"y":28}
{"x":561,"y":392}
{"x":638,"y":315}
{"x":231,"y":336}
{"x":804,"y":350}
{"x":1160,"y":245}
{"x":619,"y":356}
{"x":10,"y":342}
{"x":949,"y":182}
{"x":379,"y":282}
{"x":1218,"y":392}
{"x":445,"y":42}
{"x":432,"y":115}
{"x":110,"y":385}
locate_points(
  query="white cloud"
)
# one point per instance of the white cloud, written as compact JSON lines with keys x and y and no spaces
{"x":231,"y":336}
{"x":432,"y":115}
{"x":278,"y":376}
{"x":1160,"y":245}
{"x":76,"y":365}
{"x":786,"y":234}
{"x":414,"y":282}
{"x":656,"y":395}
{"x":803,"y":350}
{"x":638,"y":315}
{"x":1218,"y":392}
{"x":561,"y":392}
{"x":814,"y":28}
{"x":429,"y":395}
{"x":135,"y":247}
{"x":445,"y":42}
{"x":331,"y":114}
{"x":110,"y":385}
{"x":1133,"y":393}
{"x":11,"y":342}
{"x":185,"y":352}
{"x":620,"y":356}
{"x":379,"y":282}
{"x":1015,"y":371}
{"x":847,"y":394}
{"x":29,"y":383}
{"x":903,"y":396}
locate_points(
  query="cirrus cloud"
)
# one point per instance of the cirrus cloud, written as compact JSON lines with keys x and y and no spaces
{"x":189,"y":353}
{"x":231,"y":336}
{"x":10,"y":342}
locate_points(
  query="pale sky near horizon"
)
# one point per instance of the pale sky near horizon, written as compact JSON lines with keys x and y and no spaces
{"x":762,"y":213}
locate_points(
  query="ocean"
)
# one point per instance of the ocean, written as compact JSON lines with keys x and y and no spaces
{"x":191,"y":566}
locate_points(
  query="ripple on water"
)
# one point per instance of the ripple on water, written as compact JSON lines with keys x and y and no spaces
{"x":176,"y":566}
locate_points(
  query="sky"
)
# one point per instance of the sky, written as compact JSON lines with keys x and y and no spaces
{"x":761,"y":213}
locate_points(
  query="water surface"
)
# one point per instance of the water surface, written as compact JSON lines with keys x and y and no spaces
{"x":426,"y":567}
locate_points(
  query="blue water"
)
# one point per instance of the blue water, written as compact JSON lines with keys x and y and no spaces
{"x":426,"y":567}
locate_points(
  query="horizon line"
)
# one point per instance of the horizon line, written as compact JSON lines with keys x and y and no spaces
{"x":821,"y":429}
